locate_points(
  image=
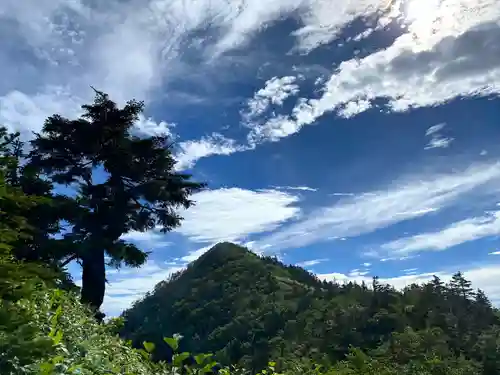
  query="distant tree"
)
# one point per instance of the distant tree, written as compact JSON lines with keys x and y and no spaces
{"x":138,"y":188}
{"x":460,"y":286}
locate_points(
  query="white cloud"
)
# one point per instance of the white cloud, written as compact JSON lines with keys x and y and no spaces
{"x":356,"y":273}
{"x":131,"y":49}
{"x":147,"y":240}
{"x":455,"y":234}
{"x":216,"y":144}
{"x":484,"y":278}
{"x":193,"y":255}
{"x":435,"y":129}
{"x":313,"y":262}
{"x":149,"y":127}
{"x":437,"y":140}
{"x":403,"y":200}
{"x":324,"y":20}
{"x":342,"y":194}
{"x":275,"y":92}
{"x":272,"y":130}
{"x":410,"y":270}
{"x":300,"y":188}
{"x":446,"y":51}
{"x":24,"y":113}
{"x":234,"y":213}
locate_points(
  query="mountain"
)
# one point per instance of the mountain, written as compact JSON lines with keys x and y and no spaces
{"x":249,"y":309}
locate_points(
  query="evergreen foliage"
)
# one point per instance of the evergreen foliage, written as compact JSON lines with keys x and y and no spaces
{"x":140,"y":190}
{"x":250,"y":310}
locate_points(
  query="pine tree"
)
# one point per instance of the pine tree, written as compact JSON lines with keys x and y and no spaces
{"x":460,"y":286}
{"x":138,"y":188}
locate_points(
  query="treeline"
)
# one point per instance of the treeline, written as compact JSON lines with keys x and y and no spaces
{"x":250,"y":310}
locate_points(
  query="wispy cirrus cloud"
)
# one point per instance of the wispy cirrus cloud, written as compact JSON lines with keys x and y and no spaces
{"x":299,"y":188}
{"x":408,"y":198}
{"x":455,"y":234}
{"x":437,"y":140}
{"x":313,"y":262}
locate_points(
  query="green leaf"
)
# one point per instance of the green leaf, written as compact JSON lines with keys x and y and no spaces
{"x":178,"y":358}
{"x":173,"y":343}
{"x":149,"y":346}
{"x":58,"y":337}
{"x":144,"y":353}
{"x":200,"y":358}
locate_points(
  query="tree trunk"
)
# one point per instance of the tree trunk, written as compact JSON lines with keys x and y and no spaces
{"x":93,"y":278}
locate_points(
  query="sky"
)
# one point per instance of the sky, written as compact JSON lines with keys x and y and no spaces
{"x":356,"y":138}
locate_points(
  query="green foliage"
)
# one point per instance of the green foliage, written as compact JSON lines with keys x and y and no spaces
{"x":249,"y":310}
{"x":42,"y":217}
{"x":140,"y":189}
{"x":45,"y":330}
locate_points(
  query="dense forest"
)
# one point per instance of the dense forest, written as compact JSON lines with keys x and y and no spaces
{"x":70,"y":194}
{"x":250,"y":310}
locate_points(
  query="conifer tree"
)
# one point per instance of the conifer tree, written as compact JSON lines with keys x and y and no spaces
{"x":136,"y":186}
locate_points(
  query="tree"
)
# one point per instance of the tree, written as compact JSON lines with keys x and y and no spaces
{"x":460,"y":286}
{"x":44,"y":218}
{"x":122,"y":183}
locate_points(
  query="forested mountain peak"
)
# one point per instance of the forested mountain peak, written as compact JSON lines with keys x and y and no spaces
{"x":222,"y":252}
{"x":249,"y":309}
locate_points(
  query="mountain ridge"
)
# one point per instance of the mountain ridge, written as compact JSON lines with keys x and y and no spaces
{"x":249,"y":309}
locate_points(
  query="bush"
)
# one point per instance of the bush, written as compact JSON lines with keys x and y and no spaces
{"x":45,"y":330}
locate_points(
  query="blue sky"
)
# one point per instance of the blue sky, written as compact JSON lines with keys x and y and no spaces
{"x":355,"y":137}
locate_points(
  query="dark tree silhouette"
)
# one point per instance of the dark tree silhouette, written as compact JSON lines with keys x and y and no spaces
{"x":122,"y":183}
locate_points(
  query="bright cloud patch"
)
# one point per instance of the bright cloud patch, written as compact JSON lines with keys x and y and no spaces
{"x":216,"y":144}
{"x":147,"y":240}
{"x":232,"y":214}
{"x":275,"y":92}
{"x":149,"y":127}
{"x":25,"y":113}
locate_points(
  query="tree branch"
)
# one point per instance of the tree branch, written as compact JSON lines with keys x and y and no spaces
{"x":69,"y":260}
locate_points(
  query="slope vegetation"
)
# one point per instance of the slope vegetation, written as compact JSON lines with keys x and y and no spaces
{"x":249,"y":310}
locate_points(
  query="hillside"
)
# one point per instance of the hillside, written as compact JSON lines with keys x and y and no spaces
{"x":249,"y":310}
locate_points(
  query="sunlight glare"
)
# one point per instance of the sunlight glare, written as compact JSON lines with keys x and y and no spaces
{"x":420,"y":16}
